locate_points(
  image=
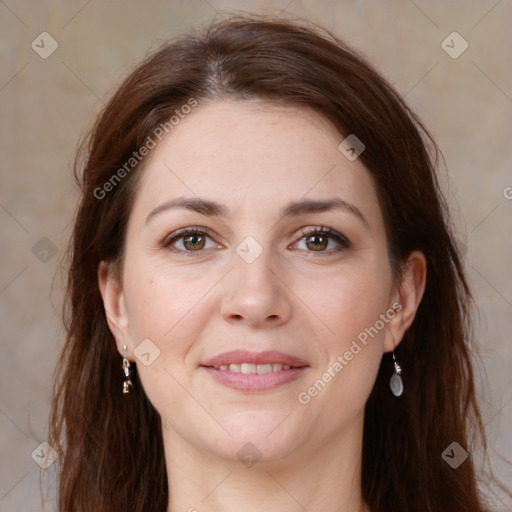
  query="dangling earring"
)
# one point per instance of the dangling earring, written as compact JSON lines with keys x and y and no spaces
{"x":127,"y":384}
{"x":395,"y":383}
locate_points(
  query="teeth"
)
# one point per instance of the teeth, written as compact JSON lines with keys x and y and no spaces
{"x":247,"y":368}
{"x":254,"y":368}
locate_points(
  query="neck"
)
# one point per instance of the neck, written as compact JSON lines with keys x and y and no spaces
{"x":323,"y":477}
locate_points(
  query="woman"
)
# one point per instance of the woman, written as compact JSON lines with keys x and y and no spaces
{"x":267,"y":309}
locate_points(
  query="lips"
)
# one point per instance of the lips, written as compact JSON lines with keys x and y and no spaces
{"x":255,"y":372}
{"x":256,"y":358}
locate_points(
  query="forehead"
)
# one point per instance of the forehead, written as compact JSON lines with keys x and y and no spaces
{"x":253,"y":153}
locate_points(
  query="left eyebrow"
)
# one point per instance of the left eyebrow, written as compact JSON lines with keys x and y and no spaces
{"x":292,"y":209}
{"x":305,"y":206}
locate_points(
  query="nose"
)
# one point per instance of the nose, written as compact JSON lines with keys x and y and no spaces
{"x":255,"y":294}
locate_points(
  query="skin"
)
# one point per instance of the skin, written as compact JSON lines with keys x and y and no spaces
{"x":299,"y":296}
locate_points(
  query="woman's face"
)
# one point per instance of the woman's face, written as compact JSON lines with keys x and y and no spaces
{"x":258,"y":287}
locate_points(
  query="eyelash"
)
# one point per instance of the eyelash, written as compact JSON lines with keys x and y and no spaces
{"x":343,"y":241}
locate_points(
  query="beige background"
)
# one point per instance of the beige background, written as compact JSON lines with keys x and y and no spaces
{"x":46,"y":104}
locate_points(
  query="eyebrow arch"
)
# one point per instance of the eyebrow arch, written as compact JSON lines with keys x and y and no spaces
{"x":292,"y":209}
{"x":302,"y":206}
{"x":202,"y":206}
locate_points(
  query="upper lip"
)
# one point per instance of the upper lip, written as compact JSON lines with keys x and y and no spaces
{"x":243,"y":356}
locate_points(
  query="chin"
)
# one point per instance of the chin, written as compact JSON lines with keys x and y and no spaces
{"x":269,"y":437}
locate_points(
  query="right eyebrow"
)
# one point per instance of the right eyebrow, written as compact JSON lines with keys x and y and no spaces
{"x":202,"y":206}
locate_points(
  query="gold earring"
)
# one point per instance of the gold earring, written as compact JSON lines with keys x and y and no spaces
{"x":127,"y":384}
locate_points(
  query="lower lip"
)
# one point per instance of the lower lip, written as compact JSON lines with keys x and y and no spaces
{"x":255,"y":381}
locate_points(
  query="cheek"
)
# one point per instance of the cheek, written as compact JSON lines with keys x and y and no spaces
{"x":349,"y":302}
{"x":338,"y":390}
{"x":354,"y":309}
{"x":160,"y":303}
{"x":168,"y":309}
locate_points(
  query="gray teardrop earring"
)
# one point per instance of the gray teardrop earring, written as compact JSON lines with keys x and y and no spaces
{"x":395,"y":383}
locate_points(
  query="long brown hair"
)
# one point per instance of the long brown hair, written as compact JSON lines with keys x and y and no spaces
{"x":110,"y":444}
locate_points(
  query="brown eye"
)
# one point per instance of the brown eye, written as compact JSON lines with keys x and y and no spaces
{"x":317,"y":242}
{"x":319,"y":239}
{"x":194,"y":242}
{"x":189,"y":241}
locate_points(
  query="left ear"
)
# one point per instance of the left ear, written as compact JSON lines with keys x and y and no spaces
{"x":408,"y":297}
